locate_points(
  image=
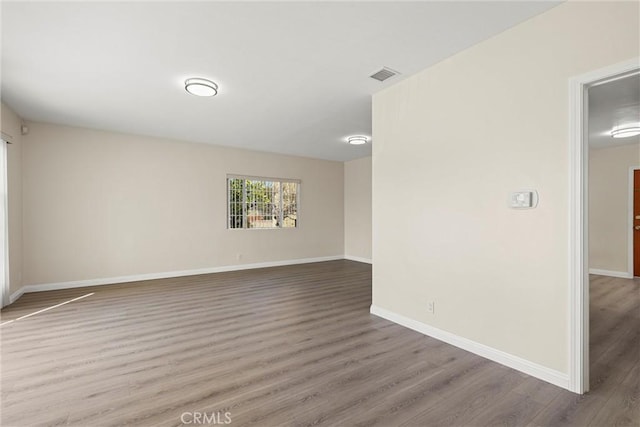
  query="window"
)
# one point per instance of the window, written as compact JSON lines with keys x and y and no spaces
{"x":254,"y":202}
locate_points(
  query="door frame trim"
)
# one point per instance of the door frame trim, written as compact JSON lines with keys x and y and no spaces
{"x":5,"y":284}
{"x":578,"y":220}
{"x":630,"y":216}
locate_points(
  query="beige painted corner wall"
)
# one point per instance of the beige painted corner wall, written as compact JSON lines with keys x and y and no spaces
{"x":609,"y":206}
{"x":357,"y":209}
{"x":102,"y":205}
{"x":450,"y":144}
{"x":11,"y":130}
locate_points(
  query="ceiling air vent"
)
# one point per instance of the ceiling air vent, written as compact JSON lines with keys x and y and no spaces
{"x":384,"y":74}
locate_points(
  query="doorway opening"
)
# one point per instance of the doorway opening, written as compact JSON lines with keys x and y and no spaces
{"x":581,"y":132}
{"x":614,"y":297}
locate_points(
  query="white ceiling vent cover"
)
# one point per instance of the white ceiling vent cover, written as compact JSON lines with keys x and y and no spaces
{"x":384,"y":74}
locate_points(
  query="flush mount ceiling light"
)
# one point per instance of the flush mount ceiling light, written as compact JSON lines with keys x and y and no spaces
{"x":200,"y":87}
{"x":357,"y":140}
{"x":625,"y":132}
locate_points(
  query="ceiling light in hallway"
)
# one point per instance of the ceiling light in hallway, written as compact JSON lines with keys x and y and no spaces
{"x":625,"y":132}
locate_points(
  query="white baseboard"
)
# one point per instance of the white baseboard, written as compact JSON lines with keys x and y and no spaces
{"x":359,"y":259}
{"x":541,"y":372}
{"x":610,"y":273}
{"x":164,"y":275}
{"x":17,"y":294}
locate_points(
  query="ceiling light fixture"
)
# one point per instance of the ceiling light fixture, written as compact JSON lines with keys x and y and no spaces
{"x":200,"y":87}
{"x":357,"y":140}
{"x":625,"y":132}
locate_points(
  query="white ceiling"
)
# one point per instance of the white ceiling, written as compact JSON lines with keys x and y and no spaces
{"x":293,"y":76}
{"x":612,"y":104}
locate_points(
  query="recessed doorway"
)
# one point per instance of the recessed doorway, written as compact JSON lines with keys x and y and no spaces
{"x":581,"y":88}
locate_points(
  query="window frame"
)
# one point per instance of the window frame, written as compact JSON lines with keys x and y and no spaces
{"x":298,"y":183}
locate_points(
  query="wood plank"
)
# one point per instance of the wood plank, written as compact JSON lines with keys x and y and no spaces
{"x":291,"y":345}
{"x":623,"y":408}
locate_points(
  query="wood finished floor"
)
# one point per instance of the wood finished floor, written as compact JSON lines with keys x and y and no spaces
{"x":287,"y":346}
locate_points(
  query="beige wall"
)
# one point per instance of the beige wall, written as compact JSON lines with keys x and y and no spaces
{"x":450,"y":144}
{"x":608,"y":206}
{"x":11,"y":130}
{"x":357,"y":209}
{"x":102,"y":205}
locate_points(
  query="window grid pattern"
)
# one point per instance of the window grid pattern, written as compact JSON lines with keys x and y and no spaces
{"x":262,"y":203}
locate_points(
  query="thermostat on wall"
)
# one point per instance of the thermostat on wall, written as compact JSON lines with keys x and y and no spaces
{"x":523,"y":199}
